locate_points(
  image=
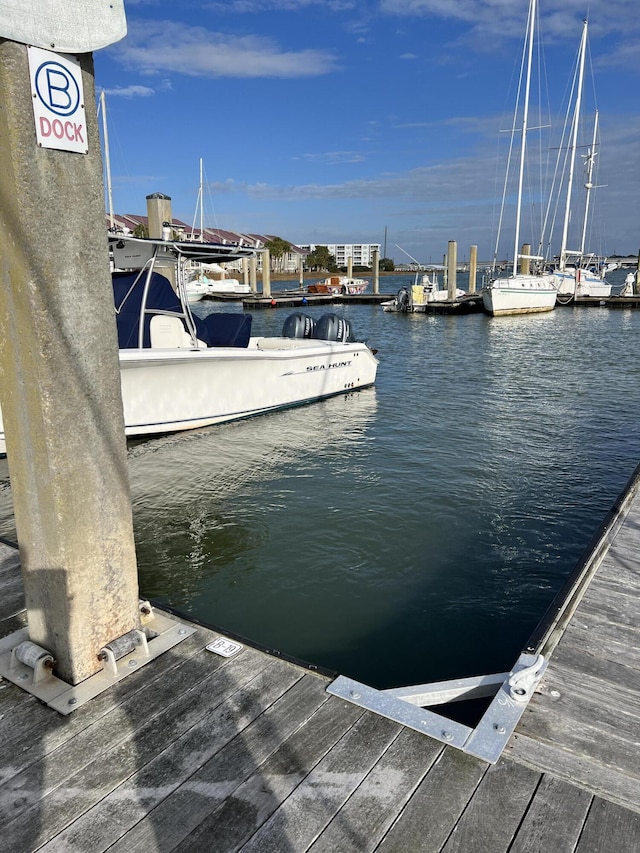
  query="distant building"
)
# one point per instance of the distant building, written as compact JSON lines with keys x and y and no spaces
{"x":361,"y":253}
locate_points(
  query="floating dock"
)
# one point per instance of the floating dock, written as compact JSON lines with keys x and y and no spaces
{"x":196,"y":751}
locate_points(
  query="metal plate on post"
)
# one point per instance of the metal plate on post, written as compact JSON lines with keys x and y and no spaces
{"x":66,"y":26}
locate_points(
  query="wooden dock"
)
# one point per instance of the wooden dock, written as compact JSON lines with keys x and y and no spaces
{"x":197,"y":752}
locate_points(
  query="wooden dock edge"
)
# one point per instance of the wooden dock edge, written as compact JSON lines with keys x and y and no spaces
{"x":551,"y":627}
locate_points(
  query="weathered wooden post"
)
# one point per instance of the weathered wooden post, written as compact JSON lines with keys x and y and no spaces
{"x":525,"y":263}
{"x":376,"y":271}
{"x":266,"y":273}
{"x":350,"y":266}
{"x":473,"y":268}
{"x":253,"y":273}
{"x":245,"y":271}
{"x":59,"y":367}
{"x":452,"y":270}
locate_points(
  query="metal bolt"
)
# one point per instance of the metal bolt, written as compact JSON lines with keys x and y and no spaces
{"x":554,"y":693}
{"x":133,"y":663}
{"x":182,"y":631}
{"x":500,"y":729}
{"x":23,"y":677}
{"x":447,"y":735}
{"x":72,"y":701}
{"x":354,"y":694}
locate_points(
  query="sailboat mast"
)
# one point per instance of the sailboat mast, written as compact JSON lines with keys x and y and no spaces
{"x":589,"y":183}
{"x":201,"y":206}
{"x":107,"y":158}
{"x":574,"y":140}
{"x":525,"y":117}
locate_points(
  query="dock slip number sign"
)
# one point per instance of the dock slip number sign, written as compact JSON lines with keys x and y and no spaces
{"x":58,"y":100}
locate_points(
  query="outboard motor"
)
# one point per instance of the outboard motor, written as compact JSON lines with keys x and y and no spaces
{"x":330,"y":327}
{"x":298,"y":326}
{"x":402,"y":300}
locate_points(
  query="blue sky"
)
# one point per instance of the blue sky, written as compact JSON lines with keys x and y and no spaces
{"x":328,"y":120}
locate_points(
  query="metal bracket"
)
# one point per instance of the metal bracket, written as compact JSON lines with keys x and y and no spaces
{"x":487,"y":740}
{"x":30,"y":667}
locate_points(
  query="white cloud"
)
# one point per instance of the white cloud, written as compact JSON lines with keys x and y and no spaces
{"x":499,"y":18}
{"x":130,"y":92}
{"x":160,"y":47}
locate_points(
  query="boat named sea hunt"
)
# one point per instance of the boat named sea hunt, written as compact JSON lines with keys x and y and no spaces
{"x":180,"y":372}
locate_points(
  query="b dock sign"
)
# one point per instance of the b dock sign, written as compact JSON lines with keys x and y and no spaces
{"x":58,"y":101}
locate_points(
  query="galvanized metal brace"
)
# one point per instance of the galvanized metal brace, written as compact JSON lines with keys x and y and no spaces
{"x":408,"y":705}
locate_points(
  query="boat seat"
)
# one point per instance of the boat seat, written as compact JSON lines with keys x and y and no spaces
{"x":228,"y":330}
{"x":169,"y":333}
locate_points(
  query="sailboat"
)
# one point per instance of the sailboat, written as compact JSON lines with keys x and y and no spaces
{"x":522,"y":292}
{"x":580,"y":273}
{"x":210,"y":279}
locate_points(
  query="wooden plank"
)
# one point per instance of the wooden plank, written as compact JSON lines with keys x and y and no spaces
{"x":495,"y":812}
{"x":315,"y":801}
{"x":252,"y":804}
{"x":430,"y":816}
{"x":369,"y":813}
{"x":136,"y":697}
{"x":610,"y":828}
{"x":611,"y":606}
{"x":613,"y":648}
{"x":580,"y":770}
{"x":176,"y":808}
{"x":554,"y":819}
{"x":91,"y":770}
{"x":585,"y":727}
{"x":590,"y":742}
{"x":583,"y":699}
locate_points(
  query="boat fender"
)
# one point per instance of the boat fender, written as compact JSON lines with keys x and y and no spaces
{"x":330,"y":327}
{"x":298,"y":326}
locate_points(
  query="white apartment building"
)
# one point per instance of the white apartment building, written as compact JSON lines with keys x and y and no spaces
{"x":361,"y":253}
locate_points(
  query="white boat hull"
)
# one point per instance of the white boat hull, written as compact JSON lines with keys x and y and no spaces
{"x":520,"y":294}
{"x":584,"y":283}
{"x":179,"y":389}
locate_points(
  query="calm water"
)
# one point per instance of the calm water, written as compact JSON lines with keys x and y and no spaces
{"x":410,"y":532}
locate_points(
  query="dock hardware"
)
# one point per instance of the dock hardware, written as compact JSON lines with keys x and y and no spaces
{"x":409,"y":706}
{"x":29,"y":666}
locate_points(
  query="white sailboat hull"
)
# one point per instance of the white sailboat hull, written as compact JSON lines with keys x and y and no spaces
{"x":179,"y":389}
{"x":581,"y":282}
{"x":520,"y":294}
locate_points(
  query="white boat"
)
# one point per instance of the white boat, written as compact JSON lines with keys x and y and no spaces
{"x":425,"y":291}
{"x":522,"y":292}
{"x":196,"y":290}
{"x":339,"y":284}
{"x":179,"y":372}
{"x":578,"y":273}
{"x":214,"y":280}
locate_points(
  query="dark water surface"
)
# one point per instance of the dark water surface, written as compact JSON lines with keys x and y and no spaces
{"x":410,"y":532}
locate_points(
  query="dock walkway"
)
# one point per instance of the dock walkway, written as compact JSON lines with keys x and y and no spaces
{"x":196,"y":752}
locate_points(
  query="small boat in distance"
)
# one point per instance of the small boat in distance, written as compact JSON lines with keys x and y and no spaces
{"x":214,"y":280}
{"x":522,"y":292}
{"x":426,"y":290}
{"x":339,"y":285}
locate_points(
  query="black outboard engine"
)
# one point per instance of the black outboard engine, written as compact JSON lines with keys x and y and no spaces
{"x":330,"y":327}
{"x":298,"y":326}
{"x":402,"y":300}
